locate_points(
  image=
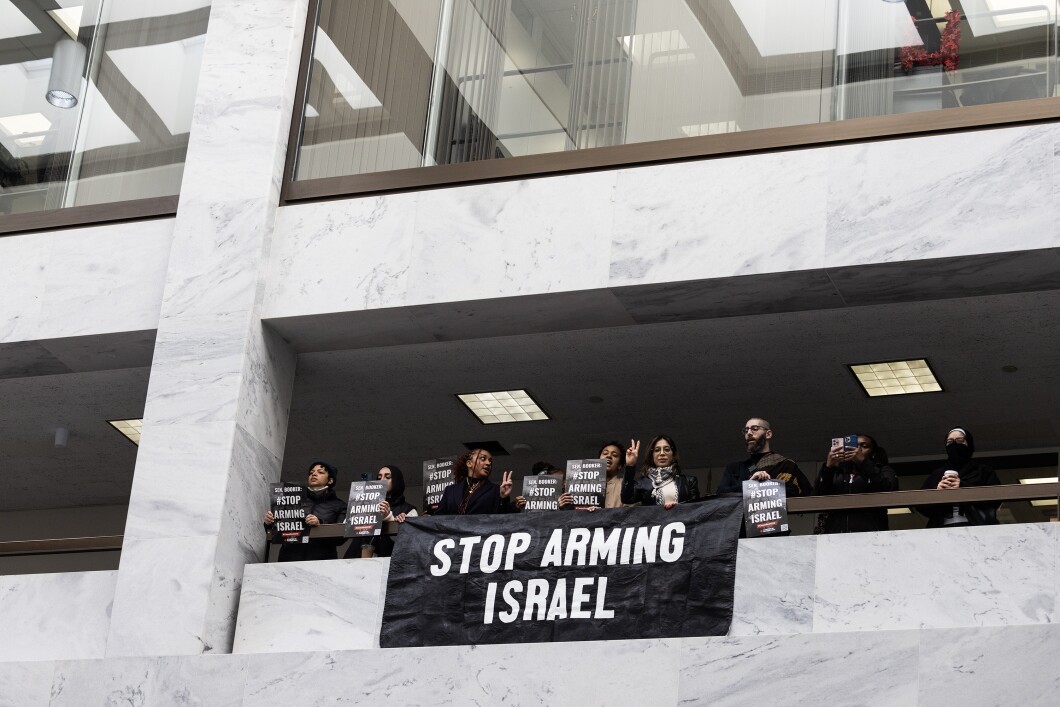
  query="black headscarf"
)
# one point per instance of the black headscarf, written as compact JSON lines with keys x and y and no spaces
{"x":959,"y":455}
{"x":397,"y":485}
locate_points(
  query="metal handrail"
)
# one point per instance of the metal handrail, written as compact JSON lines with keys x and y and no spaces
{"x":807,"y":504}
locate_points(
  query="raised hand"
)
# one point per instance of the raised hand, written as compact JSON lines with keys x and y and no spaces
{"x":565,"y":499}
{"x":633,"y":453}
{"x":506,"y":484}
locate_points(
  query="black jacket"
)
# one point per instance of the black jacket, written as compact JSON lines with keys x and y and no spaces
{"x":328,"y":508}
{"x":849,"y":477}
{"x":636,"y":490}
{"x":973,"y":473}
{"x":485,"y":499}
{"x":784,"y":470}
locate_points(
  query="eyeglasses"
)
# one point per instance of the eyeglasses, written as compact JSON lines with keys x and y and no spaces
{"x":754,"y":428}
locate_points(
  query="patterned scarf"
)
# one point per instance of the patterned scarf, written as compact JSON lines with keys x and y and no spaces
{"x":660,"y":477}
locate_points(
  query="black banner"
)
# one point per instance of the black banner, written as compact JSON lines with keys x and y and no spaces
{"x":621,"y":573}
{"x":288,"y":513}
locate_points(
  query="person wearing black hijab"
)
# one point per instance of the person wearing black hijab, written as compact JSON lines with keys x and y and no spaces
{"x":393,"y":508}
{"x":960,"y":471}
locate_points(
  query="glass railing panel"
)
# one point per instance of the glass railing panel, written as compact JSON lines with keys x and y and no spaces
{"x":898,"y":57}
{"x":96,"y":99}
{"x":397,"y":84}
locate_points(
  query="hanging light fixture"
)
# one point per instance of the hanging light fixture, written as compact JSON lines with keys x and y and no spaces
{"x":64,"y":84}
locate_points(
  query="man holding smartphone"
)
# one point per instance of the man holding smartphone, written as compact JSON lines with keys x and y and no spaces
{"x":763,"y":464}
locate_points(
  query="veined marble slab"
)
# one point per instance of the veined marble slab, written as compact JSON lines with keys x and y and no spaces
{"x":55,"y":616}
{"x":24,"y":684}
{"x":311,"y":606}
{"x":774,"y":586}
{"x":943,"y":578}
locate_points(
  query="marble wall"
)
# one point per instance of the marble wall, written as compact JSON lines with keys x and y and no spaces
{"x":929,"y":667}
{"x":75,"y":282}
{"x":964,"y":194}
{"x":54,"y":616}
{"x":961,"y":577}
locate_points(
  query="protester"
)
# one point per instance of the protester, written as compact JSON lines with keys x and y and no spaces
{"x":321,"y":507}
{"x":394,"y":508}
{"x":863,"y":469}
{"x":763,"y":464}
{"x":612,"y":453}
{"x":472,"y":493}
{"x":659,"y":481}
{"x":960,"y":471}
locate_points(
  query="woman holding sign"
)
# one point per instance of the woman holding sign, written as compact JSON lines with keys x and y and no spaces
{"x":660,"y":481}
{"x":394,"y":508}
{"x":473,"y":493}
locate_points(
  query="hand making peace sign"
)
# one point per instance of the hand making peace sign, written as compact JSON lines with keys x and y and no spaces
{"x":506,"y":484}
{"x":633,"y":452}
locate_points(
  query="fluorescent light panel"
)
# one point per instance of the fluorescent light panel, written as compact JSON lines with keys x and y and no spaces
{"x":69,"y":18}
{"x":1044,"y":502}
{"x":896,"y":377}
{"x":129,"y":428}
{"x":1040,"y":480}
{"x":503,"y":406}
{"x":898,"y":511}
{"x":25,"y":124}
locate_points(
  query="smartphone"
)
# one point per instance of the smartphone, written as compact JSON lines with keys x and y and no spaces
{"x":850,"y":441}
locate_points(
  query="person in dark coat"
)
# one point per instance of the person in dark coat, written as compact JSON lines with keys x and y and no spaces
{"x":472,"y":493}
{"x":394,"y":508}
{"x":960,"y":471}
{"x":763,"y":463}
{"x":660,"y":481}
{"x":321,"y":507}
{"x":860,"y":470}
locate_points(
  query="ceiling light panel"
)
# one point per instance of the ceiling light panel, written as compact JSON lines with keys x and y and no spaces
{"x":69,"y":18}
{"x":25,"y":124}
{"x":129,"y":428}
{"x":1040,"y":480}
{"x":503,"y":406}
{"x":896,"y":377}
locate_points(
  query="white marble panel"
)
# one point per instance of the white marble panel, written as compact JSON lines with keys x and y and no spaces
{"x":599,"y":672}
{"x":851,"y":669}
{"x":943,"y":578}
{"x":195,"y":376}
{"x":1011,"y":665}
{"x":266,"y":388}
{"x":178,"y":488}
{"x":160,"y":603}
{"x":774,"y":586}
{"x":23,"y":271}
{"x":23,"y":684}
{"x":341,"y":255}
{"x":430,"y":677}
{"x":971,"y":192}
{"x":311,"y":606}
{"x":55,"y":616}
{"x":512,"y":238}
{"x":720,"y":217}
{"x":244,"y":97}
{"x":217,"y":252}
{"x":170,"y":680}
{"x":106,"y":278}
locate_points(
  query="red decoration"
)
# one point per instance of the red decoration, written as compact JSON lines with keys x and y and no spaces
{"x":949,"y":50}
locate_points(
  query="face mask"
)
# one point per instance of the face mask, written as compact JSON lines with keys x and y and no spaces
{"x":958,"y":453}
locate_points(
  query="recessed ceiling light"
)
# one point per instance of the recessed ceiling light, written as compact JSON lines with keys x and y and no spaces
{"x":1044,"y":502}
{"x":898,"y":511}
{"x":129,"y":428}
{"x":503,"y":406}
{"x":1040,"y":480}
{"x":896,"y":377}
{"x":34,"y":141}
{"x":25,"y":124}
{"x":69,"y":18}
